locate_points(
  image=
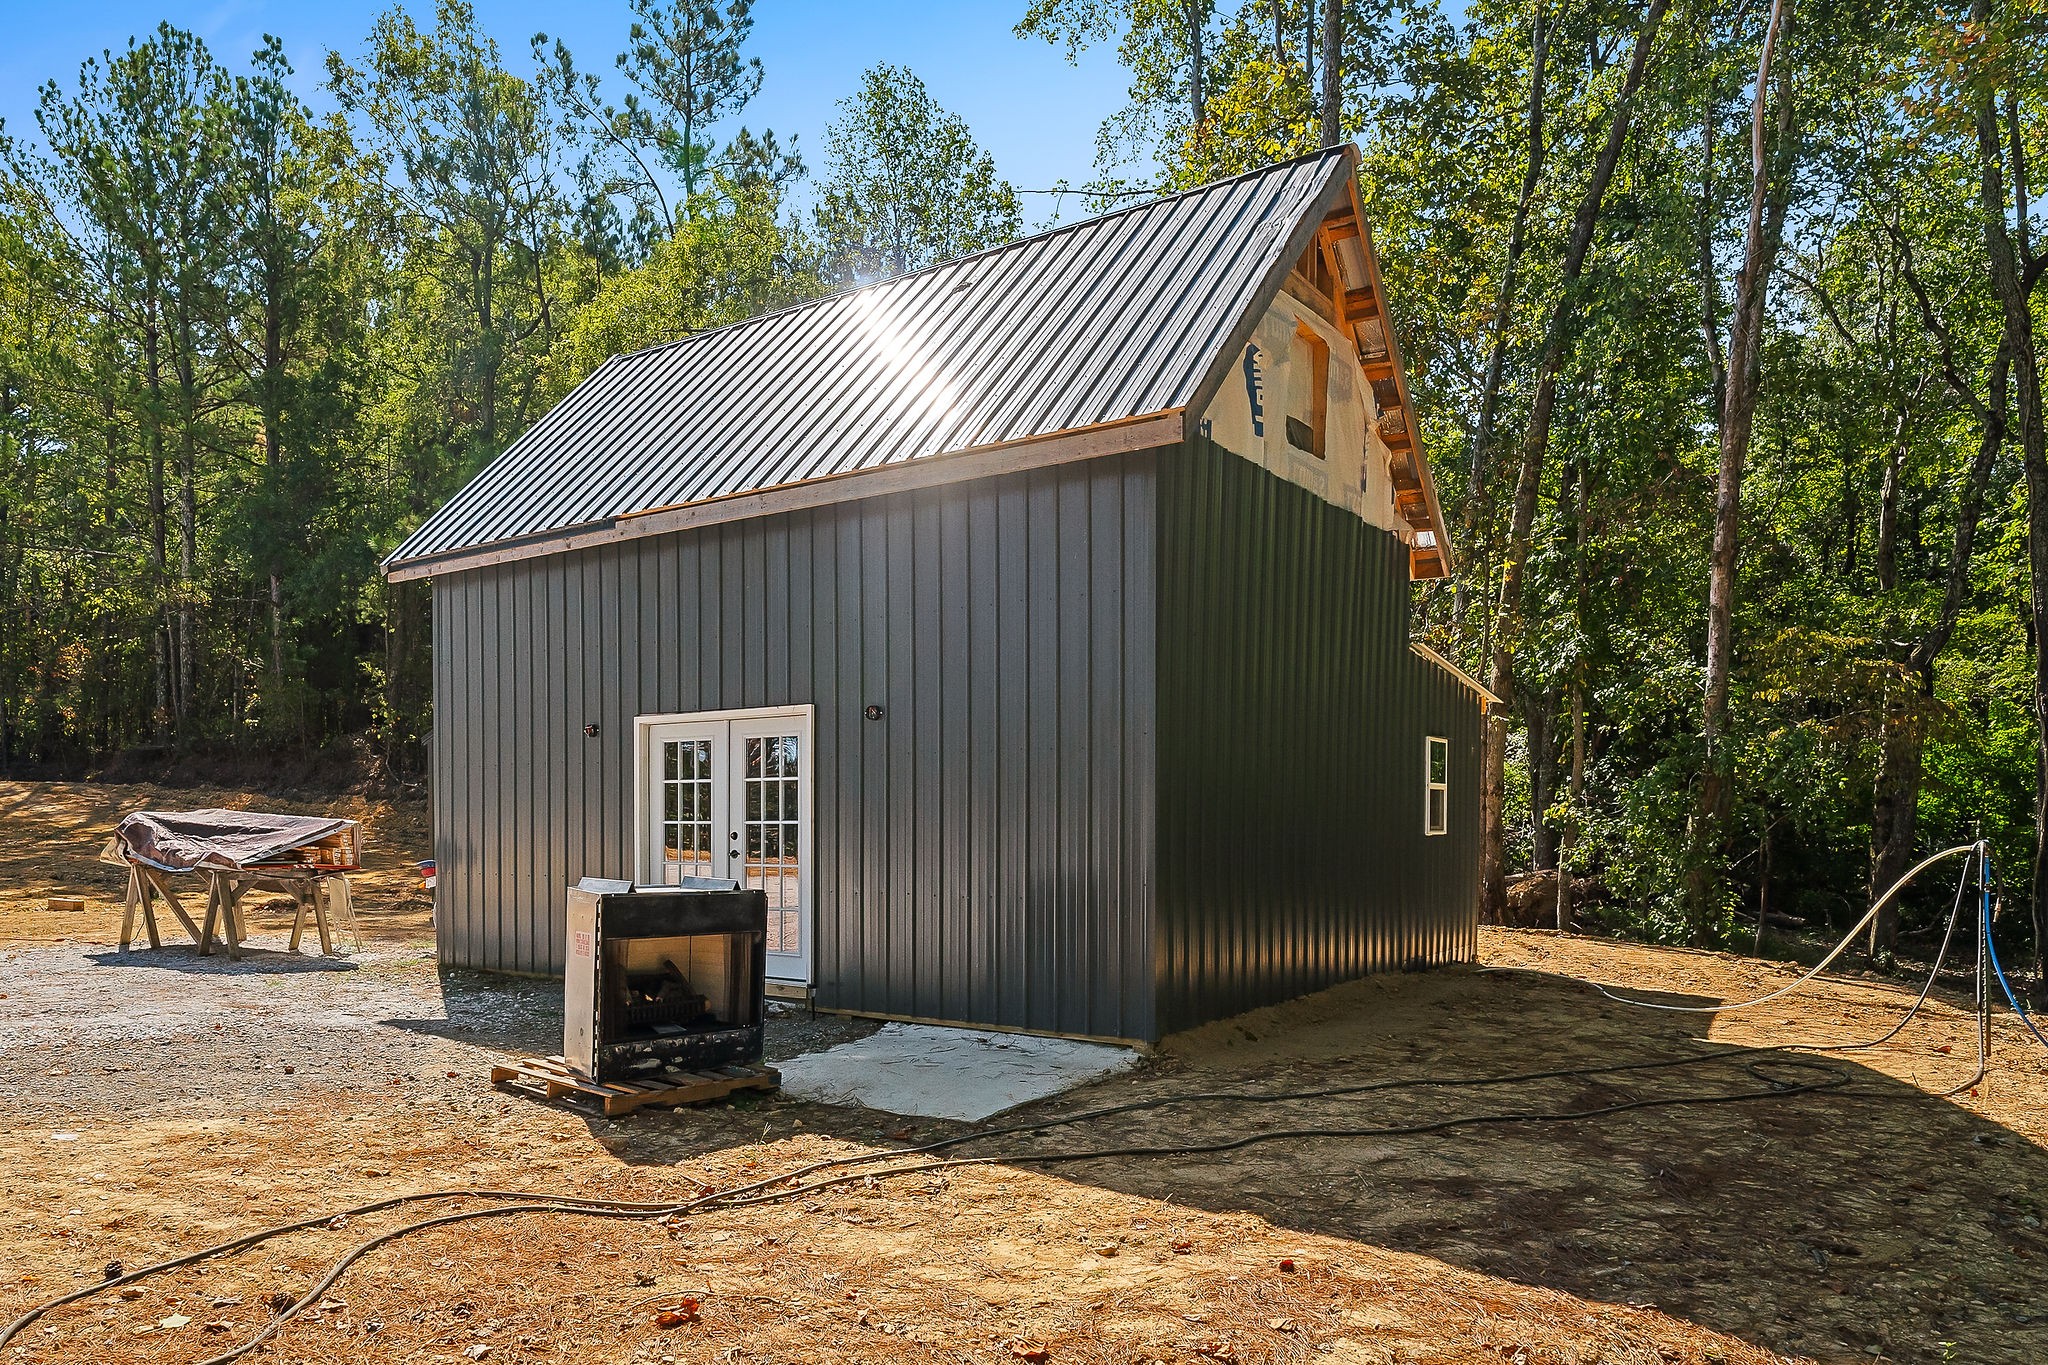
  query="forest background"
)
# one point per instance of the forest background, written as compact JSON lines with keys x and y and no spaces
{"x":1723,"y":320}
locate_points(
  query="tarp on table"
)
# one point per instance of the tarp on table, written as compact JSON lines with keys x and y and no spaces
{"x":184,"y":841}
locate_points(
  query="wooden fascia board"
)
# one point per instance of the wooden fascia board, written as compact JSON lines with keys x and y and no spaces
{"x":1484,"y":693}
{"x":1113,"y":438}
{"x":1417,"y":459}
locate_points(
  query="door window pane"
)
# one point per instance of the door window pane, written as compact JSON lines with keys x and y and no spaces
{"x":771,"y":803}
{"x":752,"y":786}
{"x":686,"y":810}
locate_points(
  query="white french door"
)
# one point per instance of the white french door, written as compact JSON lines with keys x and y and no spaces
{"x":728,"y":795}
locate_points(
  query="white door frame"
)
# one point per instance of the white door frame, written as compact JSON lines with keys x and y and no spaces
{"x":791,"y":968}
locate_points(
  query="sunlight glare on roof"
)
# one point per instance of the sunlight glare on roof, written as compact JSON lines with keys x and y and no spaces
{"x":926,"y":393}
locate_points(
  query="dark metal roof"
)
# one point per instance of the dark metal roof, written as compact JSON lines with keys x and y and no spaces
{"x":1100,"y":321}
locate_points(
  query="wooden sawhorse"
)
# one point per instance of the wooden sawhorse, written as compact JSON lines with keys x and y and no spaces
{"x":224,"y":887}
{"x":145,"y":884}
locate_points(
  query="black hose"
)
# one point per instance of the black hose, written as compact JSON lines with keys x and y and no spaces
{"x":1773,"y":1088}
{"x":520,"y":1202}
{"x":261,"y":1235}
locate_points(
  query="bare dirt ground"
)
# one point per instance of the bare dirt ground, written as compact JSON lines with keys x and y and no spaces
{"x":51,"y":833}
{"x":154,"y":1103}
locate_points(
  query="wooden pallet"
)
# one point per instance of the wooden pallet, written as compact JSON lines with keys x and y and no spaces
{"x":553,"y":1078}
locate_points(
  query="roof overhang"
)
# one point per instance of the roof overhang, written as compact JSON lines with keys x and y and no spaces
{"x":1362,"y":313}
{"x":1487,"y":699}
{"x":1115,"y":438}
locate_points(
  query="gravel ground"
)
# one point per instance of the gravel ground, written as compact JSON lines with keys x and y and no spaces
{"x":85,"y":1029}
{"x":156,"y":1102}
{"x":1877,"y":1223}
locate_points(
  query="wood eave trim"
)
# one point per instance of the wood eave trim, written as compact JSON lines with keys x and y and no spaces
{"x":1393,"y":367}
{"x":1484,"y":693}
{"x":930,"y":471}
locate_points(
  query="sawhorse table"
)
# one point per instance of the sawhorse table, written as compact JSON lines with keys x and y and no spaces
{"x":308,"y":887}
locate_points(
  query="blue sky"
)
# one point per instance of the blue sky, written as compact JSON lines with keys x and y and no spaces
{"x":1033,"y":111}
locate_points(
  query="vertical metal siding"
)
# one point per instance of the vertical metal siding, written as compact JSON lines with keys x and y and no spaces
{"x":1290,"y":752}
{"x":984,"y":852}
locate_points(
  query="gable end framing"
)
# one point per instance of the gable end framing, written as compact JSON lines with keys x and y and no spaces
{"x":1337,"y":214}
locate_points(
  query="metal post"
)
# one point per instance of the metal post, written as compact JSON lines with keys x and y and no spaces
{"x":1983,"y":949}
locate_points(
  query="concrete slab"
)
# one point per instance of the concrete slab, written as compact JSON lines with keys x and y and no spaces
{"x":948,"y":1073}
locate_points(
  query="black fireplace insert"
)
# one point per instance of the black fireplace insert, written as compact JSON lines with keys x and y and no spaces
{"x":663,"y":979}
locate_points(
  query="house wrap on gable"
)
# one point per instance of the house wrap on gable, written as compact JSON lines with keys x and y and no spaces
{"x":1249,"y":417}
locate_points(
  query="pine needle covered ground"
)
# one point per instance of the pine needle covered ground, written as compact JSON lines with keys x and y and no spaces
{"x":153,"y":1105}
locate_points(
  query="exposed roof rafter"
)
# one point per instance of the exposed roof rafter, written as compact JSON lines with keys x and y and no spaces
{"x":1362,"y":314}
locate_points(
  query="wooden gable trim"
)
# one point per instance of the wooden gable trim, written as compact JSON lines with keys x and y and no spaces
{"x":1362,"y":313}
{"x":1478,"y":688}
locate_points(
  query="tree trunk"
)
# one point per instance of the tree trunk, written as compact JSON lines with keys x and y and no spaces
{"x":271,"y":391}
{"x":188,"y":515}
{"x":1895,"y":805}
{"x":1198,"y":109}
{"x":1763,"y":887}
{"x":1544,"y":742}
{"x":1568,"y":829}
{"x":159,"y":515}
{"x":487,"y":387}
{"x":2013,"y":276}
{"x":1894,"y":813}
{"x":1887,"y":562}
{"x":1710,"y":284}
{"x":1504,"y":303}
{"x":1311,"y":27}
{"x":188,"y":577}
{"x":1333,"y":72}
{"x":1506,"y":630}
{"x":1578,"y":796}
{"x":1769,"y":197}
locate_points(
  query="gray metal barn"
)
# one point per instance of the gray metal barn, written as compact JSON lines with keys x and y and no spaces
{"x":1033,"y":628}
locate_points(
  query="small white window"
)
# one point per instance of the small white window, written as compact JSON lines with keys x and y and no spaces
{"x":1436,"y":803}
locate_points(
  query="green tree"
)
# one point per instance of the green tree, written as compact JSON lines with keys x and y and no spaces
{"x":467,"y":159}
{"x":685,"y":65}
{"x":2002,"y":89}
{"x":294,"y":343}
{"x":467,"y":156}
{"x":139,"y":155}
{"x":906,"y":185}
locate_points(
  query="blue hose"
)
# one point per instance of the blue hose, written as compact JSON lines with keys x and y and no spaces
{"x":1998,"y":969}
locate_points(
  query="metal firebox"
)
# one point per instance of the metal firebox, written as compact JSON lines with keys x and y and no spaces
{"x":660,"y":978}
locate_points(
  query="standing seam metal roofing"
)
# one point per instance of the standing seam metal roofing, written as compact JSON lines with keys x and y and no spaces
{"x":1105,"y":320}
